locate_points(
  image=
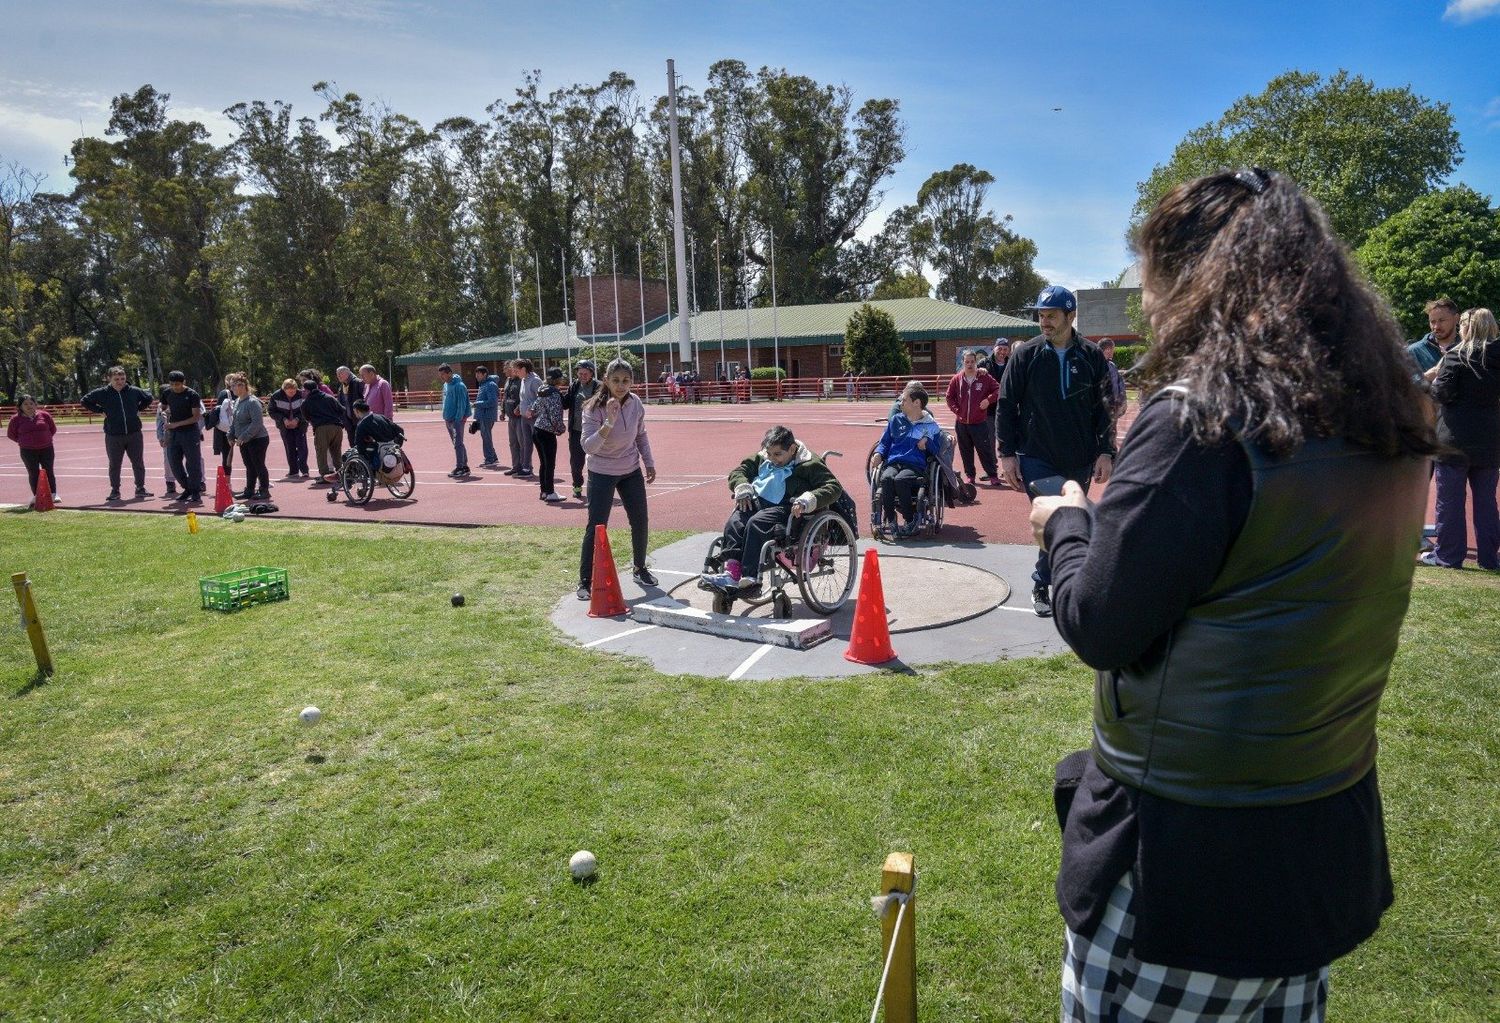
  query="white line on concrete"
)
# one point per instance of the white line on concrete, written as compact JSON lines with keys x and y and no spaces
{"x":750,"y":661}
{"x":1022,"y":610}
{"x":673,"y":571}
{"x":618,"y":635}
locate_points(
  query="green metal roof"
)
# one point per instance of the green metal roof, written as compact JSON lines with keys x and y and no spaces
{"x":917,"y":319}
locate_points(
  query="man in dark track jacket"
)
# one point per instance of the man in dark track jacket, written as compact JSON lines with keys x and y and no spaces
{"x":1054,"y":417}
{"x":121,"y":405}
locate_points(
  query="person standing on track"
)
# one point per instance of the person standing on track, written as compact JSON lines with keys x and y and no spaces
{"x":486,"y":414}
{"x":456,"y":409}
{"x":121,"y":404}
{"x":1054,"y":413}
{"x":574,"y":400}
{"x":614,"y":435}
{"x":971,"y":395}
{"x":32,"y":429}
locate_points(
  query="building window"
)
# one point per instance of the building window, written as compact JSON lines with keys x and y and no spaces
{"x":921,"y":347}
{"x":835,"y":351}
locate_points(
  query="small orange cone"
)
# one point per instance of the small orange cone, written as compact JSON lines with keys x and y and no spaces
{"x":870,"y":639}
{"x":605,"y":598}
{"x":43,"y":492}
{"x":223,"y":497}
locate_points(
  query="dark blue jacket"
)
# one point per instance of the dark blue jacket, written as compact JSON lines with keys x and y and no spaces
{"x":121,"y":409}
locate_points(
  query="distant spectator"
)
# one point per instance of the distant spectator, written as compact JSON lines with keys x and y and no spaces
{"x":996,"y":363}
{"x":530,"y":383}
{"x":184,"y":428}
{"x":970,"y":396}
{"x":32,"y":429}
{"x":486,"y":413}
{"x":1442,"y":334}
{"x":378,"y":392}
{"x":350,"y":389}
{"x":1116,"y":386}
{"x":169,"y":482}
{"x":291,"y":424}
{"x":326,"y":417}
{"x":584,"y":388}
{"x":614,"y":435}
{"x":456,"y":409}
{"x":121,"y":404}
{"x":510,"y":411}
{"x":220,"y":419}
{"x":1466,"y":389}
{"x":248,"y":432}
{"x":546,"y":423}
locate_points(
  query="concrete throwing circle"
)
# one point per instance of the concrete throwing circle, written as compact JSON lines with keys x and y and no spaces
{"x":920,"y":593}
{"x":949,"y":603}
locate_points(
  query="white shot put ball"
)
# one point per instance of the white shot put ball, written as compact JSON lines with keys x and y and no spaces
{"x":239,"y":516}
{"x":310,"y":715}
{"x":582,"y":865}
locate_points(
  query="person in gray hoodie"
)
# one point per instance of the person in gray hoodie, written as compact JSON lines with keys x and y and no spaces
{"x":247,"y":431}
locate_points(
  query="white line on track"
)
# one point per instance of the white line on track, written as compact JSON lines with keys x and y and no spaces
{"x":750,"y":661}
{"x":618,"y":635}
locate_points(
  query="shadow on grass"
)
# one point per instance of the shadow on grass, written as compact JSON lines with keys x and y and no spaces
{"x":39,"y":679}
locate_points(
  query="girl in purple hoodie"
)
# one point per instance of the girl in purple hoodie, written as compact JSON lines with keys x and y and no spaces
{"x":614,"y":438}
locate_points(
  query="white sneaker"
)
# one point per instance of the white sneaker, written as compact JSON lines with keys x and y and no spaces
{"x":553,"y":499}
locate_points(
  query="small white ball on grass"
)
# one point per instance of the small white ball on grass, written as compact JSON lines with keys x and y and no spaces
{"x":582,"y":865}
{"x":310,"y":715}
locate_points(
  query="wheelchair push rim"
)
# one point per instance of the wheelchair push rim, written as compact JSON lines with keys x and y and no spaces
{"x":826,"y":559}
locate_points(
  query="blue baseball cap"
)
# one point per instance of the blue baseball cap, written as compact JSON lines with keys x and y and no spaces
{"x":1055,"y":296}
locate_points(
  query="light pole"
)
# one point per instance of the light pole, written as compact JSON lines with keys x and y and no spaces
{"x":390,"y":367}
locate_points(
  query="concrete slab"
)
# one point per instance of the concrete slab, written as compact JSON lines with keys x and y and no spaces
{"x":797,"y":633}
{"x":1002,"y":631}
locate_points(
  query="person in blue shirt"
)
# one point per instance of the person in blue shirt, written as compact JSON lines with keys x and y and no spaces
{"x":899,"y":460}
{"x":1428,"y":350}
{"x":486,"y":414}
{"x":456,"y":410}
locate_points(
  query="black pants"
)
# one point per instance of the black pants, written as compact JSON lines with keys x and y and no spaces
{"x":294,"y":442}
{"x":602,"y":489}
{"x":224,"y":449}
{"x":117,"y":448}
{"x":972,"y":437}
{"x":546,"y":457}
{"x":576,"y":456}
{"x":747,"y":532}
{"x":35,"y":461}
{"x":185,"y":458}
{"x":253,"y":452}
{"x":1039,"y":469}
{"x":897,"y":479}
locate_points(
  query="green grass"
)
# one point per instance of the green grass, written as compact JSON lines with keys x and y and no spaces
{"x":175,"y":846}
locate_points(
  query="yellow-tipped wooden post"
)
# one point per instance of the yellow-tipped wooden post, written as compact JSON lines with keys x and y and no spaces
{"x":899,"y":874}
{"x":32,"y":622}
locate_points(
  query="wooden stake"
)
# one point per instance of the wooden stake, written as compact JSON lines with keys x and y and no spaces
{"x":32,"y":623}
{"x":899,"y":874}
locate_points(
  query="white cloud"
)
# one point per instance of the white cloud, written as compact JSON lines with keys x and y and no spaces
{"x":1464,"y":11}
{"x":343,"y":10}
{"x":33,"y":129}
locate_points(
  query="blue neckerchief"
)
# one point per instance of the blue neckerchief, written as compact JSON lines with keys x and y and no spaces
{"x":770,"y":481}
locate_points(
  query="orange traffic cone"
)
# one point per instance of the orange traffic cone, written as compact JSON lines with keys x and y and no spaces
{"x":870,"y":639}
{"x":223,"y":497}
{"x":605,"y":598}
{"x":43,"y":492}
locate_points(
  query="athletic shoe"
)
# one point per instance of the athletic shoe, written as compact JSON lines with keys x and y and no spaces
{"x":114,"y":495}
{"x":642,"y":575}
{"x":1041,"y":601}
{"x":525,"y":474}
{"x":723,"y":582}
{"x":453,"y":475}
{"x":553,"y":498}
{"x":988,"y":478}
{"x":139,"y":492}
{"x":1430,"y":560}
{"x":584,"y":591}
{"x":192,"y":499}
{"x":510,"y":472}
{"x":578,"y":492}
{"x":748,"y":587}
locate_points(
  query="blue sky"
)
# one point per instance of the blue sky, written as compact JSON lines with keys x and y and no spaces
{"x":977,"y":82}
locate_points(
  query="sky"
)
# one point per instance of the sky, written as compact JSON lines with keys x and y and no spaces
{"x":978,"y":83}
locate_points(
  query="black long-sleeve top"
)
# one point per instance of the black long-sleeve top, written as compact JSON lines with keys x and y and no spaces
{"x":1272,"y":891}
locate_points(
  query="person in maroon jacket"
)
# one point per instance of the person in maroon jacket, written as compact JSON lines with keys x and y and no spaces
{"x":32,"y":429}
{"x":970,"y":396}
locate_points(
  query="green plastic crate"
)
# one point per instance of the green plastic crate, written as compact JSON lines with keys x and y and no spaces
{"x":230,"y":591}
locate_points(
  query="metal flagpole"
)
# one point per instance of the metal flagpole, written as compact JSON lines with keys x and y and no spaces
{"x":666,"y":270}
{"x":749,"y":355}
{"x":719,"y":278}
{"x":640,"y":285}
{"x":614,"y":276}
{"x":684,"y":341}
{"x":693,"y":295}
{"x":593,"y":338}
{"x":775,"y":323}
{"x":567,"y":331}
{"x":541,"y":327}
{"x":515,"y":313}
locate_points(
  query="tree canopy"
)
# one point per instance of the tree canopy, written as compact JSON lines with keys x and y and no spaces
{"x":872,"y":344}
{"x":1364,"y":152}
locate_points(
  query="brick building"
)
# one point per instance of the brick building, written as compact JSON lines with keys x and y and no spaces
{"x":806,"y":340}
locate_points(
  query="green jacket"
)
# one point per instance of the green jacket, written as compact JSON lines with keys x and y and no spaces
{"x":809,"y":478}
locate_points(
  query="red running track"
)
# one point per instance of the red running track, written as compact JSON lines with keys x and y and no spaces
{"x":695,"y":447}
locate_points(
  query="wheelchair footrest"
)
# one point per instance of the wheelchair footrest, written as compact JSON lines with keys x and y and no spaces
{"x":797,"y":633}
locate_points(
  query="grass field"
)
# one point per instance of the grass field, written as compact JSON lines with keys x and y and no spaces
{"x":175,"y":846}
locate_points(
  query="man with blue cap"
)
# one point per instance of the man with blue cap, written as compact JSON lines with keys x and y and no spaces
{"x":1054,"y":413}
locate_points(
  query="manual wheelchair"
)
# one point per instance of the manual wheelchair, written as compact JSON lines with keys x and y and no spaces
{"x":815,"y":552}
{"x":941,"y":489}
{"x":357,"y":480}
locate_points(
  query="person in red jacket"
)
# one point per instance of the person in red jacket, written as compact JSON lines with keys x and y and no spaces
{"x":32,"y":429}
{"x":970,"y":395}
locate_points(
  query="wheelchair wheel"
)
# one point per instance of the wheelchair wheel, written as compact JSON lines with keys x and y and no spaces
{"x":781,"y":606}
{"x":936,"y":502}
{"x":403,"y":487}
{"x":825,"y":559}
{"x":723,"y":603}
{"x":357,"y":480}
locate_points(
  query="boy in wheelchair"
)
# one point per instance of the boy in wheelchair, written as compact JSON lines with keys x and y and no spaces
{"x":899,"y":463}
{"x":372,"y":430}
{"x":781,"y":482}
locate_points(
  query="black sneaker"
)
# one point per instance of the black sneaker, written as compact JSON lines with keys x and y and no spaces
{"x":643,"y":576}
{"x":584,"y":591}
{"x":114,"y":495}
{"x":192,"y":499}
{"x":1041,"y":601}
{"x":509,"y":472}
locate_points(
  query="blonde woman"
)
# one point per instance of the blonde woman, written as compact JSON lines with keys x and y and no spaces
{"x":1467,"y":392}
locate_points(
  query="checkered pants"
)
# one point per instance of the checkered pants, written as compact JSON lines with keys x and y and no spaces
{"x":1103,"y":982}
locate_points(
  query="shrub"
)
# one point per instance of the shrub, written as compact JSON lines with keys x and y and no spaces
{"x":1126,"y":356}
{"x":768,"y":373}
